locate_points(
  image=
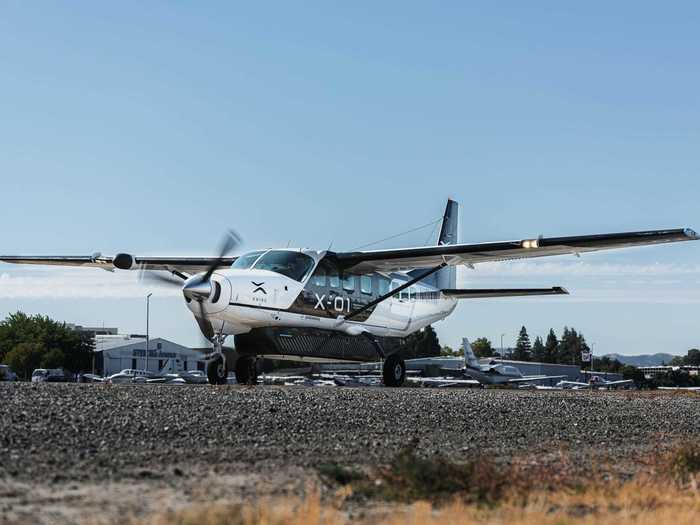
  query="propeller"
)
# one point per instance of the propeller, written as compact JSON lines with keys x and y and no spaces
{"x":197,"y":287}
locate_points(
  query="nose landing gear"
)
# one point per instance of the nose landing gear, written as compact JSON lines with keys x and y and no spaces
{"x":217,"y":369}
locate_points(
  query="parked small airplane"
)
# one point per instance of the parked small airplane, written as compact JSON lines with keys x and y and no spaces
{"x":495,"y":372}
{"x":491,"y":373}
{"x":318,"y":306}
{"x":593,"y":383}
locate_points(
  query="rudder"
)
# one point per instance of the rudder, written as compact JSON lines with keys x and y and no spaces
{"x":449,"y":234}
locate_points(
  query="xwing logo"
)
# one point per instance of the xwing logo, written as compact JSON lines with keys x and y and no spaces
{"x":259,"y":287}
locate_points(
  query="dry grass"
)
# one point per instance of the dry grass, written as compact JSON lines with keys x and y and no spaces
{"x":630,"y":503}
{"x":670,"y":495}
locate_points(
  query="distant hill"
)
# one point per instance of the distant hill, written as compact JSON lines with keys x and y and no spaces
{"x":643,"y":360}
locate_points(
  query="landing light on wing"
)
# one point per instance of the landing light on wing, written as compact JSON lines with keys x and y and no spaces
{"x":531,"y":243}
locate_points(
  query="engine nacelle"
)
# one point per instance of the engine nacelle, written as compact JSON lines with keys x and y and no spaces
{"x":124,"y":261}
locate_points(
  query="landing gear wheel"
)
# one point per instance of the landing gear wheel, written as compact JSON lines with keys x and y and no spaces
{"x":394,"y":371}
{"x":246,"y":371}
{"x":217,"y":371}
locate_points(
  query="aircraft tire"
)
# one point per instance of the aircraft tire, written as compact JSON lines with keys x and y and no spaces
{"x":217,"y":371}
{"x":246,"y":371}
{"x":394,"y":371}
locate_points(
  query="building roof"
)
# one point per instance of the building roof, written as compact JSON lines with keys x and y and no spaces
{"x":134,"y":343}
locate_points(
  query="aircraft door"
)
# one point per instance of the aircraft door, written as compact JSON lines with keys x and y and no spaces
{"x":401,"y":308}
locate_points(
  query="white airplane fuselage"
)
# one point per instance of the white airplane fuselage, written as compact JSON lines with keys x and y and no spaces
{"x":252,"y":298}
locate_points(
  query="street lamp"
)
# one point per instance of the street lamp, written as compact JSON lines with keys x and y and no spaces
{"x":502,"y":347}
{"x":148,"y":305}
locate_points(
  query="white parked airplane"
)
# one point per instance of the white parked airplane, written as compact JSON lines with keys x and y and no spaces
{"x":494,"y":372}
{"x":355,"y":306}
{"x":593,"y":383}
{"x":491,"y":373}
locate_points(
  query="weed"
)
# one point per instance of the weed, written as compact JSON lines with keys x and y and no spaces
{"x":683,"y":461}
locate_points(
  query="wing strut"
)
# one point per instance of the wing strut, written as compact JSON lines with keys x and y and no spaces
{"x":395,"y":291}
{"x":371,"y":338}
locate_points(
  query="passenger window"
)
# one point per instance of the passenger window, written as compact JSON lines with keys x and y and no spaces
{"x":333,"y":279}
{"x":349,"y":283}
{"x":383,"y":285}
{"x":366,"y":284}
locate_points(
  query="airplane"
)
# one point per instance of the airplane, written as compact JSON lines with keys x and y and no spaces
{"x":491,"y":373}
{"x":315,"y":306}
{"x":593,"y":383}
{"x":494,"y":372}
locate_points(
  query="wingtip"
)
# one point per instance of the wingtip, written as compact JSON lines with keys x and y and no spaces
{"x":691,"y":234}
{"x":562,"y":291}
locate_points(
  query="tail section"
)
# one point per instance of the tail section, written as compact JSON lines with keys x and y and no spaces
{"x":449,"y":234}
{"x":470,"y":360}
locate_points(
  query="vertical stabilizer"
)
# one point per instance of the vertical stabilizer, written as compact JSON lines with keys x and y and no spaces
{"x":449,"y":234}
{"x":470,"y":360}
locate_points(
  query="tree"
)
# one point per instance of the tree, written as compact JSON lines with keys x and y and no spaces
{"x":522,"y":346}
{"x":551,"y":347}
{"x":635,"y":374}
{"x":54,"y":358}
{"x":24,"y":358}
{"x":428,"y":342}
{"x":538,"y":350}
{"x":424,"y":343}
{"x":46,"y":334}
{"x":482,"y":347}
{"x":678,"y":360}
{"x":448,"y":352}
{"x":693,"y":357}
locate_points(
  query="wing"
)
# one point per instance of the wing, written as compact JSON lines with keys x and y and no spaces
{"x":467,"y":254}
{"x":441,"y":383}
{"x":618,"y":383}
{"x":574,"y":384}
{"x":121,"y":261}
{"x":479,"y":293}
{"x":527,"y":379}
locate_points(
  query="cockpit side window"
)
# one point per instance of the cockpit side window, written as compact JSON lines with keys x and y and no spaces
{"x":245,"y":261}
{"x":295,"y":265}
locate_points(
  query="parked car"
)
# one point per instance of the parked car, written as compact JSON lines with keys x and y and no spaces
{"x":6,"y":373}
{"x":50,"y":375}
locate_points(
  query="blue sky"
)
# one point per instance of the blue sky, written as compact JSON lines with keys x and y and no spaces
{"x":151,"y":128}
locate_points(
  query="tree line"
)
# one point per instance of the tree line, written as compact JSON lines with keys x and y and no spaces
{"x":566,"y":349}
{"x":36,"y":341}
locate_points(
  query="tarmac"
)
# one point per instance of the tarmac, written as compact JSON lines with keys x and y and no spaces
{"x":105,"y":450}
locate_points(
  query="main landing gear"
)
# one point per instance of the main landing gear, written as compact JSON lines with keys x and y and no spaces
{"x":217,"y":369}
{"x":246,"y":370}
{"x":394,"y":371}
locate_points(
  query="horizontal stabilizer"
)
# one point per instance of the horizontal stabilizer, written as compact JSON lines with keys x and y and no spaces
{"x":479,"y":293}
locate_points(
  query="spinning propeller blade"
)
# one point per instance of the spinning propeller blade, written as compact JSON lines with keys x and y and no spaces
{"x":160,"y":278}
{"x":230,"y":242}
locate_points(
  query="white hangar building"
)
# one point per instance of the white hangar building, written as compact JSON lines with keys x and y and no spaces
{"x":114,"y":353}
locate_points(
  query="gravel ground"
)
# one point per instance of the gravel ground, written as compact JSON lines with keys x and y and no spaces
{"x":59,"y":439}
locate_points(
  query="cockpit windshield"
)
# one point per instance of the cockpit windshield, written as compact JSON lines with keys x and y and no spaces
{"x":294,"y":265}
{"x":245,"y":261}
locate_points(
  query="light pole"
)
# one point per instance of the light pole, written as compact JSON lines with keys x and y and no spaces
{"x":502,"y":347}
{"x":148,"y":307}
